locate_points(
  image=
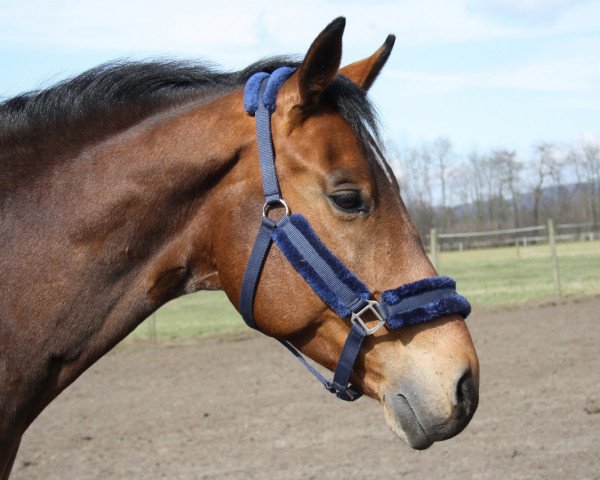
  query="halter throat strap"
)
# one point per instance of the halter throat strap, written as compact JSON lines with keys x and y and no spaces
{"x":330,"y":279}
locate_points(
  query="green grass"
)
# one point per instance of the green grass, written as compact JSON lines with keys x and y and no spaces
{"x":488,"y":277}
{"x":511,"y":276}
{"x":192,"y":315}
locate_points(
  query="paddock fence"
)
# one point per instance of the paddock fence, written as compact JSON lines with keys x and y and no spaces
{"x":521,"y":237}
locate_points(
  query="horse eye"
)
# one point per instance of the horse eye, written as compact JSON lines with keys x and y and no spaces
{"x":347,"y":200}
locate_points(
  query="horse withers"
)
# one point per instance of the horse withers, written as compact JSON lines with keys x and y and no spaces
{"x":135,"y":183}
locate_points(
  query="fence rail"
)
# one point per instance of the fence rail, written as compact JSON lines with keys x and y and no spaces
{"x":492,"y":232}
{"x":548,"y":233}
{"x":514,"y":236}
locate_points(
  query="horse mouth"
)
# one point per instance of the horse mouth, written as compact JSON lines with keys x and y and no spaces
{"x":403,"y":421}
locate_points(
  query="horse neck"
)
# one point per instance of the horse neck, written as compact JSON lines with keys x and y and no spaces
{"x":108,"y":237}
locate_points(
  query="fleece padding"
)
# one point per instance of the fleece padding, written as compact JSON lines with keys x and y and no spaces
{"x":423,"y":300}
{"x":301,"y":261}
{"x":252,"y":89}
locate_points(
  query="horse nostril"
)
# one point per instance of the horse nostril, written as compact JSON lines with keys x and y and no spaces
{"x":467,"y":395}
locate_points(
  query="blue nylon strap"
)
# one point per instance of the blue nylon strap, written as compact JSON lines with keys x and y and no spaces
{"x":305,"y":362}
{"x":253,"y":270}
{"x":266,"y":155}
{"x":339,"y":387}
{"x":337,"y":286}
{"x":262,"y":88}
{"x":346,"y":363}
{"x":260,"y":96}
{"x":410,"y":303}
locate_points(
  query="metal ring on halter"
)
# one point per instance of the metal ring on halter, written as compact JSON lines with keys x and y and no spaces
{"x":268,"y":205}
{"x":374,"y":307}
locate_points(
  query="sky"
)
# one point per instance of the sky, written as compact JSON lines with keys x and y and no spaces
{"x":485,"y":74}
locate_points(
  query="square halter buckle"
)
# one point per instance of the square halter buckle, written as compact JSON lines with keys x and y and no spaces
{"x":371,"y":306}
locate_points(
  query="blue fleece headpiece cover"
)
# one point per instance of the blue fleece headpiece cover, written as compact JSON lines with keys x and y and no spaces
{"x":252,"y":89}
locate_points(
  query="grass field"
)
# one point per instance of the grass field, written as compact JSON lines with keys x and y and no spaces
{"x":509,"y":276}
{"x":489,"y":278}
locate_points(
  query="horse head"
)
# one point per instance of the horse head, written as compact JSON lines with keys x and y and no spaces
{"x":331,"y":170}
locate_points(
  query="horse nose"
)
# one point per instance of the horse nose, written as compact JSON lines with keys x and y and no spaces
{"x":467,"y":399}
{"x":448,"y":422}
{"x":423,"y":414}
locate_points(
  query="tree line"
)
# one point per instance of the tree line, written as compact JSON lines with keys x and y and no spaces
{"x":500,"y":188}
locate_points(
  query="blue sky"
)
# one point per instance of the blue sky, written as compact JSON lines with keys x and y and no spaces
{"x":485,"y":74}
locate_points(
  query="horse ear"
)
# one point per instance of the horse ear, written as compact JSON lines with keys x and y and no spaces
{"x":365,"y":71}
{"x":321,"y":63}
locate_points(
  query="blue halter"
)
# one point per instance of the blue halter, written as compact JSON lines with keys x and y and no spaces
{"x":331,"y":280}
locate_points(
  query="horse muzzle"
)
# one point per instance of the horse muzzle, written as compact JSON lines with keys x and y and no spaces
{"x":422,"y":413}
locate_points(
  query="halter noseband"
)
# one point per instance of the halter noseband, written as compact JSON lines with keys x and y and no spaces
{"x":331,"y":280}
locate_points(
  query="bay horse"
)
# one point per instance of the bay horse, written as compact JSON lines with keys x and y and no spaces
{"x":135,"y":183}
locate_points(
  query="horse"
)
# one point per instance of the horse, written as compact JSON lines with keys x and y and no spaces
{"x":137,"y":182}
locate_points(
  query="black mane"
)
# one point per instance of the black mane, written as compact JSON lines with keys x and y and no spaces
{"x":142,"y":86}
{"x":116,"y":95}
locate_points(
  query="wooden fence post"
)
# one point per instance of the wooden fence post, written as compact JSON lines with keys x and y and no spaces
{"x":433,"y":247}
{"x":552,"y":242}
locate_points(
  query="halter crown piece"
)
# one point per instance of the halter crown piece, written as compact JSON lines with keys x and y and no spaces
{"x":331,"y":280}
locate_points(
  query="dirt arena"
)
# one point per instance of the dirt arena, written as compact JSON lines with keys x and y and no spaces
{"x":244,"y":408}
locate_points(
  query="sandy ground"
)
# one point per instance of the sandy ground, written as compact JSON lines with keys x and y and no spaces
{"x":245,"y":409}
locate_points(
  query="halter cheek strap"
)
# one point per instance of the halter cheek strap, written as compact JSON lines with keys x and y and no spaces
{"x":330,"y":279}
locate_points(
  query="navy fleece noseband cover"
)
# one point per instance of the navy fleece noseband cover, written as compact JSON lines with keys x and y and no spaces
{"x":423,"y":300}
{"x":330,"y":279}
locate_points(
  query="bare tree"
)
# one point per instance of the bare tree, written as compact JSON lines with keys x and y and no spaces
{"x":591,"y":158}
{"x":544,"y":156}
{"x":509,"y":168}
{"x":585,"y":162}
{"x":474,"y":176}
{"x":579,"y":202}
{"x":556,"y":168}
{"x":496,"y":189}
{"x":415,"y":183}
{"x":442,"y":155}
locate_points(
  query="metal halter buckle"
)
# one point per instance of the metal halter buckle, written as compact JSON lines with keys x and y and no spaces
{"x":374,"y":307}
{"x":274,"y":203}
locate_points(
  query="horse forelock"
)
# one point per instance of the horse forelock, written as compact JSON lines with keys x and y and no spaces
{"x":353,"y":104}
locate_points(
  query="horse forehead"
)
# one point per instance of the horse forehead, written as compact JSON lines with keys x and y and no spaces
{"x":327,"y":136}
{"x":330,"y":137}
{"x":330,"y":125}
